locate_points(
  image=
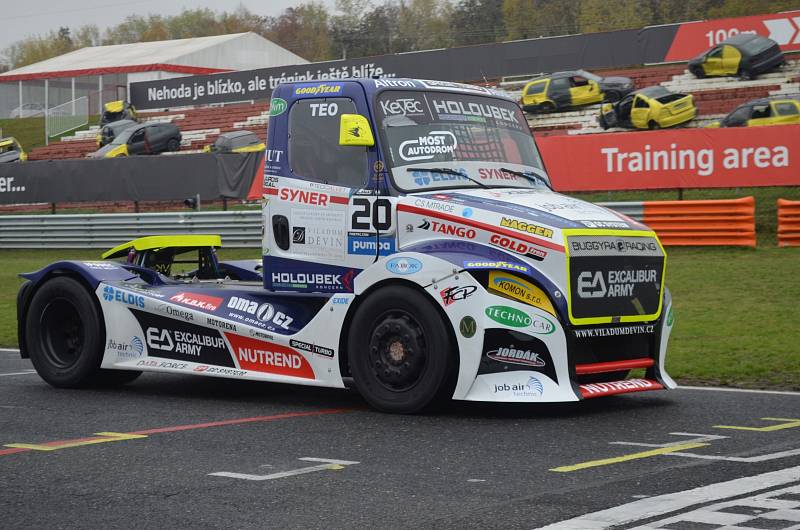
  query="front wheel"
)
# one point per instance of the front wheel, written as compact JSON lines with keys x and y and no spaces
{"x":173,"y":145}
{"x":698,"y":72}
{"x":653,"y":125}
{"x":400,"y":352}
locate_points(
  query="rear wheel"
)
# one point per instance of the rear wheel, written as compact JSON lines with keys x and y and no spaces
{"x":698,"y":72}
{"x":746,"y":75}
{"x":653,"y":125}
{"x":65,"y":336}
{"x":613,"y":96}
{"x":548,"y":106}
{"x":400,"y":351}
{"x":173,"y":145}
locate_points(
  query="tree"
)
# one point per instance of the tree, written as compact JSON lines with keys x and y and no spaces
{"x":477,"y":21}
{"x":303,"y":30}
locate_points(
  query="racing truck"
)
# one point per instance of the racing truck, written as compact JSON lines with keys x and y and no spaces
{"x":412,"y":248}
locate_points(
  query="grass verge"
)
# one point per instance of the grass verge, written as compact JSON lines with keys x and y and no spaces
{"x":734,"y":309}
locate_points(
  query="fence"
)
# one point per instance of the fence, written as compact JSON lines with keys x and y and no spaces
{"x":699,"y":223}
{"x":683,"y":223}
{"x":788,"y":223}
{"x":66,"y":117}
{"x":237,"y":228}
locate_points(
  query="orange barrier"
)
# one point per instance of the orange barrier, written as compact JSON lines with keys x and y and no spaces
{"x":701,"y":223}
{"x":788,"y":223}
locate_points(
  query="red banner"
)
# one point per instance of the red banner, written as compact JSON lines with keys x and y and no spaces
{"x":681,"y":158}
{"x":693,"y":38}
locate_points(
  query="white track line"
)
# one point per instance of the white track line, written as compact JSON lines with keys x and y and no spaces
{"x":9,"y":350}
{"x":672,"y":502}
{"x":27,"y":372}
{"x":742,"y":390}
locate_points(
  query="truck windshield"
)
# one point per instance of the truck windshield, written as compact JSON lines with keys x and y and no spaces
{"x":486,"y":138}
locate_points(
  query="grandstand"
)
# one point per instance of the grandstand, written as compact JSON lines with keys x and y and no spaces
{"x":714,"y":97}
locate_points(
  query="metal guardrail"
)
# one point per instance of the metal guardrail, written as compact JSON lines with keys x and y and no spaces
{"x":237,"y":228}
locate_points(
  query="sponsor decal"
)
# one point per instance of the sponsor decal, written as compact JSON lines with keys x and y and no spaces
{"x":402,"y":106}
{"x":506,"y":350}
{"x":257,"y":313}
{"x":618,"y":331}
{"x":364,"y":245}
{"x":532,"y":388}
{"x":456,"y":293}
{"x":216,"y":370}
{"x":132,"y":349}
{"x":449,"y":229}
{"x":618,"y":283}
{"x":175,"y":312}
{"x":606,"y":224}
{"x":435,"y":205}
{"x":528,"y":228}
{"x":491,"y":173}
{"x":467,"y":212}
{"x":111,"y":294}
{"x":394,"y":83}
{"x":318,"y":233}
{"x":517,"y":246}
{"x":198,"y":301}
{"x":277,"y":106}
{"x":520,"y":289}
{"x":221,"y":324}
{"x":471,"y":108}
{"x":618,"y":387}
{"x":468,"y":327}
{"x":429,"y":146}
{"x":514,"y":356}
{"x":613,"y":246}
{"x":306,"y":280}
{"x":259,"y":334}
{"x":171,"y":365}
{"x":182,"y":341}
{"x":323,"y":89}
{"x":273,"y":155}
{"x":311,"y":348}
{"x":403,"y":266}
{"x":101,"y":265}
{"x":314,"y":198}
{"x":670,"y":317}
{"x":340,"y":300}
{"x":509,"y":316}
{"x":269,"y":358}
{"x":504,"y":265}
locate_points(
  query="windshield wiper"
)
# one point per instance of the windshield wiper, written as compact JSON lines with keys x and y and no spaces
{"x":448,"y":171}
{"x":530,"y":175}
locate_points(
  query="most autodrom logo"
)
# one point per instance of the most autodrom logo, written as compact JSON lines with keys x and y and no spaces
{"x":429,"y":146}
{"x":111,"y":294}
{"x":261,"y":314}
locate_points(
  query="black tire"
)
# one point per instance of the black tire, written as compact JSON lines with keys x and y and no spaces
{"x":173,"y":145}
{"x":400,"y":352}
{"x":746,"y":75}
{"x":653,"y":125}
{"x":548,"y":106}
{"x":602,"y":121}
{"x":612,"y":96}
{"x":65,"y":336}
{"x":698,"y":72}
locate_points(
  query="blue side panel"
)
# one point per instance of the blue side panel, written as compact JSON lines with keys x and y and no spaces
{"x":474,"y":256}
{"x":282,"y":274}
{"x":92,"y":271}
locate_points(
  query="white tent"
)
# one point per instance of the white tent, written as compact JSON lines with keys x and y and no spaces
{"x":108,"y":70}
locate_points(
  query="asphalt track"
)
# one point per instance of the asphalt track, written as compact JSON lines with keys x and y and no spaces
{"x":183,"y":451}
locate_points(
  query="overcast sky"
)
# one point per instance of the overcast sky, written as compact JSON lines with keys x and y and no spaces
{"x":34,"y":17}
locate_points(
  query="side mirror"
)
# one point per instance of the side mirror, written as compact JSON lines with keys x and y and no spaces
{"x":354,"y":130}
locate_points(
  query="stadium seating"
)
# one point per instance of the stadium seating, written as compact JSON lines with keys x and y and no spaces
{"x":714,"y":97}
{"x":199,"y":127}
